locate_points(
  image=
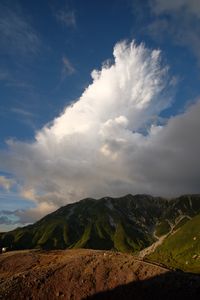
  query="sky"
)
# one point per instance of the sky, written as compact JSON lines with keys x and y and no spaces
{"x":97,"y":98}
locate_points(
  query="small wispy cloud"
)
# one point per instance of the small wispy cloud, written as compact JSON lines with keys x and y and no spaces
{"x":67,"y":67}
{"x":17,"y":34}
{"x":6,"y":183}
{"x":11,"y":80}
{"x":22,"y":112}
{"x":163,"y":6}
{"x":4,"y":75}
{"x":24,"y":116}
{"x":67,"y":17}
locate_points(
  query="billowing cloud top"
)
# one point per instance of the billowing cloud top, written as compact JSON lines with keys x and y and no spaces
{"x":107,"y":143}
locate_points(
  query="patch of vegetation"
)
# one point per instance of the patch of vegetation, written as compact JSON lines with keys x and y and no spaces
{"x":162,"y":228}
{"x":181,"y":223}
{"x":182,"y":249}
{"x":120,"y":239}
{"x":84,"y":238}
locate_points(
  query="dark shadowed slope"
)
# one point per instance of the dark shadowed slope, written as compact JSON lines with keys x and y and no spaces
{"x":167,"y":286}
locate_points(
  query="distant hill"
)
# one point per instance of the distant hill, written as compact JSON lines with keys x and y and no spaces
{"x":126,"y":224}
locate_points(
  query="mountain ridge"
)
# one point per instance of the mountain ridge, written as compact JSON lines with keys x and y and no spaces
{"x":125,"y":224}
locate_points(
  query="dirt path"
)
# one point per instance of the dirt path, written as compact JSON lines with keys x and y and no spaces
{"x":151,"y":248}
{"x":160,"y":240}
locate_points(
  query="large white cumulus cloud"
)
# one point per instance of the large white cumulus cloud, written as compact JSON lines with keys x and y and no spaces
{"x":107,"y":143}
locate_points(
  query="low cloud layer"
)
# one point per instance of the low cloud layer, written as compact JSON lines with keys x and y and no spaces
{"x":109,"y":142}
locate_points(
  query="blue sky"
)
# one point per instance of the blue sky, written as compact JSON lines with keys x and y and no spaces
{"x":48,"y":50}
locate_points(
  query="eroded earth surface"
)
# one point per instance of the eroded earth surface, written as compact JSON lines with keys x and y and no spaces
{"x":89,"y":274}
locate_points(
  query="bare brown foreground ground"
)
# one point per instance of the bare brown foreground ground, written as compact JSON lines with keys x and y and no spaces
{"x":89,"y":274}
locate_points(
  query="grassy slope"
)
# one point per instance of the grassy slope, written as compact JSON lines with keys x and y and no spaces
{"x":162,"y":228}
{"x":181,"y":249}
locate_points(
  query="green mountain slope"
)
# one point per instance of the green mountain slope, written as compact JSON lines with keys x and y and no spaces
{"x":181,"y":249}
{"x":126,"y":224}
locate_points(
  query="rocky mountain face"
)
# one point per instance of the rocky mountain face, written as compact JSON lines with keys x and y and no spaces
{"x":126,"y":224}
